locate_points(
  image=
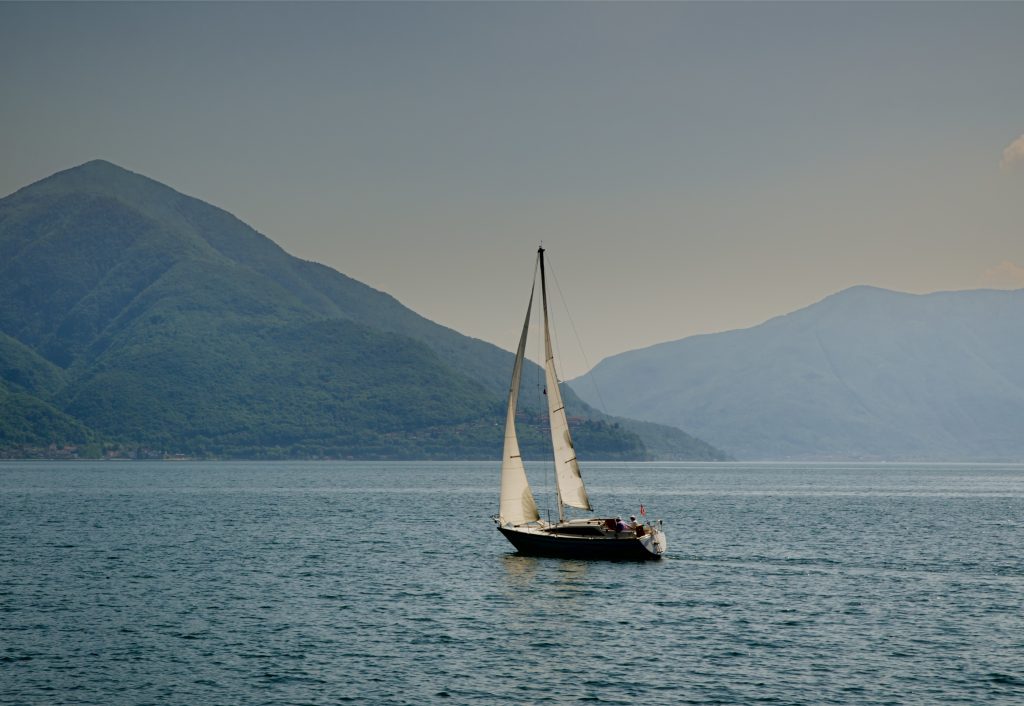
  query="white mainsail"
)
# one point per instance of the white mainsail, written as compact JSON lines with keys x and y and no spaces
{"x":567,"y":472}
{"x":517,"y":503}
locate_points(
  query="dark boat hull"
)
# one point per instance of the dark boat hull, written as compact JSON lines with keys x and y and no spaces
{"x":568,"y":547}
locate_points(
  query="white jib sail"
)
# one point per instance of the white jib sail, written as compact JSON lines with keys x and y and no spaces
{"x":567,"y":472}
{"x":517,"y":503}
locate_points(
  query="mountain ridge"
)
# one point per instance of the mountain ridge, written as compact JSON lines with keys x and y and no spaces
{"x":865,"y":373}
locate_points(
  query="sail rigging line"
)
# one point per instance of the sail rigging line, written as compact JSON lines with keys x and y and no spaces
{"x":541,"y":399}
{"x":634,"y":486}
{"x":540,"y":422}
{"x":542,"y":331}
{"x":550,"y":381}
{"x":571,"y":490}
{"x":579,"y":341}
{"x":557,"y":341}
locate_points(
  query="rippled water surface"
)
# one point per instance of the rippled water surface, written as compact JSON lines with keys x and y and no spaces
{"x":321,"y":583}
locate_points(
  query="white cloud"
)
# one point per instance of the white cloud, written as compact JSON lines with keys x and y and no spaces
{"x":1012,"y":155}
{"x":1005,"y":275}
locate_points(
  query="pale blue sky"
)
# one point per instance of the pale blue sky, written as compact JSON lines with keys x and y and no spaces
{"x":692,"y":167}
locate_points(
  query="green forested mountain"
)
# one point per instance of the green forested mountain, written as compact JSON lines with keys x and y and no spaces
{"x":133,"y":315}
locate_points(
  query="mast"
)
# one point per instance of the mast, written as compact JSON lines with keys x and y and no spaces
{"x":568,"y":481}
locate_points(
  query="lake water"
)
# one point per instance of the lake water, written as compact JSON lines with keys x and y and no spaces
{"x":322,"y":583}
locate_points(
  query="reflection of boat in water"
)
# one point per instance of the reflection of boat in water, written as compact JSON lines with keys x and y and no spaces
{"x":518,"y":518}
{"x":521,"y":570}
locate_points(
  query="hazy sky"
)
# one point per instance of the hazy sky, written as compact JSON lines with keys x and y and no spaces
{"x":692,"y":167}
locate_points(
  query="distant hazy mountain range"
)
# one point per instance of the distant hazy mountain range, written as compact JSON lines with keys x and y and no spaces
{"x":134,"y":317}
{"x":864,"y":374}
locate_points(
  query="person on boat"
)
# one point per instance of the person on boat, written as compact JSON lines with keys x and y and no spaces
{"x":637,"y":527}
{"x":620,"y":526}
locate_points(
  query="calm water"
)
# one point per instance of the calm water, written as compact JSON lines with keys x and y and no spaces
{"x":321,"y":583}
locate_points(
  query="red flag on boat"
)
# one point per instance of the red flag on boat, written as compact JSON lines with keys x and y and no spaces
{"x":643,"y":510}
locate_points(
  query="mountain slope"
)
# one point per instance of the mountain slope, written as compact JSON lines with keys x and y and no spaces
{"x":23,"y":370}
{"x":153,"y":318}
{"x":866,"y":373}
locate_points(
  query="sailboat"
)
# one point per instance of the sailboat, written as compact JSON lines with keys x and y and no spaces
{"x":518,"y":518}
